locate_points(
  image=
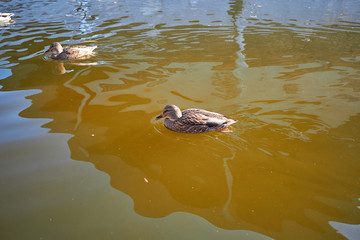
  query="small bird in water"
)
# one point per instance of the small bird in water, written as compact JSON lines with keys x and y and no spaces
{"x":70,"y":52}
{"x":6,"y":16}
{"x":193,"y":120}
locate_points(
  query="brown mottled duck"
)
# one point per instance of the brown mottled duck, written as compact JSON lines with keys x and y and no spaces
{"x":193,"y":120}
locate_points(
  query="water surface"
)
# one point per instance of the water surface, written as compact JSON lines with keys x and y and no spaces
{"x":83,"y":158}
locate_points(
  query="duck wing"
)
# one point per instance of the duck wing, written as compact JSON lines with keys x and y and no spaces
{"x":198,"y":120}
{"x":74,"y":52}
{"x":204,"y":113}
{"x":193,"y":118}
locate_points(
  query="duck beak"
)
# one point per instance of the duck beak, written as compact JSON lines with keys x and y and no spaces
{"x":159,"y":117}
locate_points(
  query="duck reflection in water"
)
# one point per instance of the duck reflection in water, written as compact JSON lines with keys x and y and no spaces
{"x":194,"y":120}
{"x":58,"y":67}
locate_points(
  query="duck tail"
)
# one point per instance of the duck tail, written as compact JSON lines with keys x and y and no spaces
{"x":230,"y":121}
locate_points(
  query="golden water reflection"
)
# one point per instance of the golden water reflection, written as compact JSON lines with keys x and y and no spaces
{"x":289,"y":167}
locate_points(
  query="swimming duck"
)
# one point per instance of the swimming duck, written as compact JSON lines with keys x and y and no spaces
{"x":70,"y":52}
{"x":5,"y":19}
{"x":6,"y":16}
{"x":193,"y":120}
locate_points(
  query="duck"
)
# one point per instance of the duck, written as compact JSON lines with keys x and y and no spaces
{"x":70,"y":52}
{"x":194,"y":120}
{"x":6,"y":17}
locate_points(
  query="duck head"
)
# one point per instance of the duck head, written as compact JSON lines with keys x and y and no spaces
{"x":171,"y":112}
{"x":55,"y":48}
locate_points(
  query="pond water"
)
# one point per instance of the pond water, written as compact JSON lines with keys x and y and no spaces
{"x":82,"y":157}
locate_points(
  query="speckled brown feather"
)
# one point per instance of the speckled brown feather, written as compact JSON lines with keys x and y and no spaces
{"x":203,"y":112}
{"x":75,"y":52}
